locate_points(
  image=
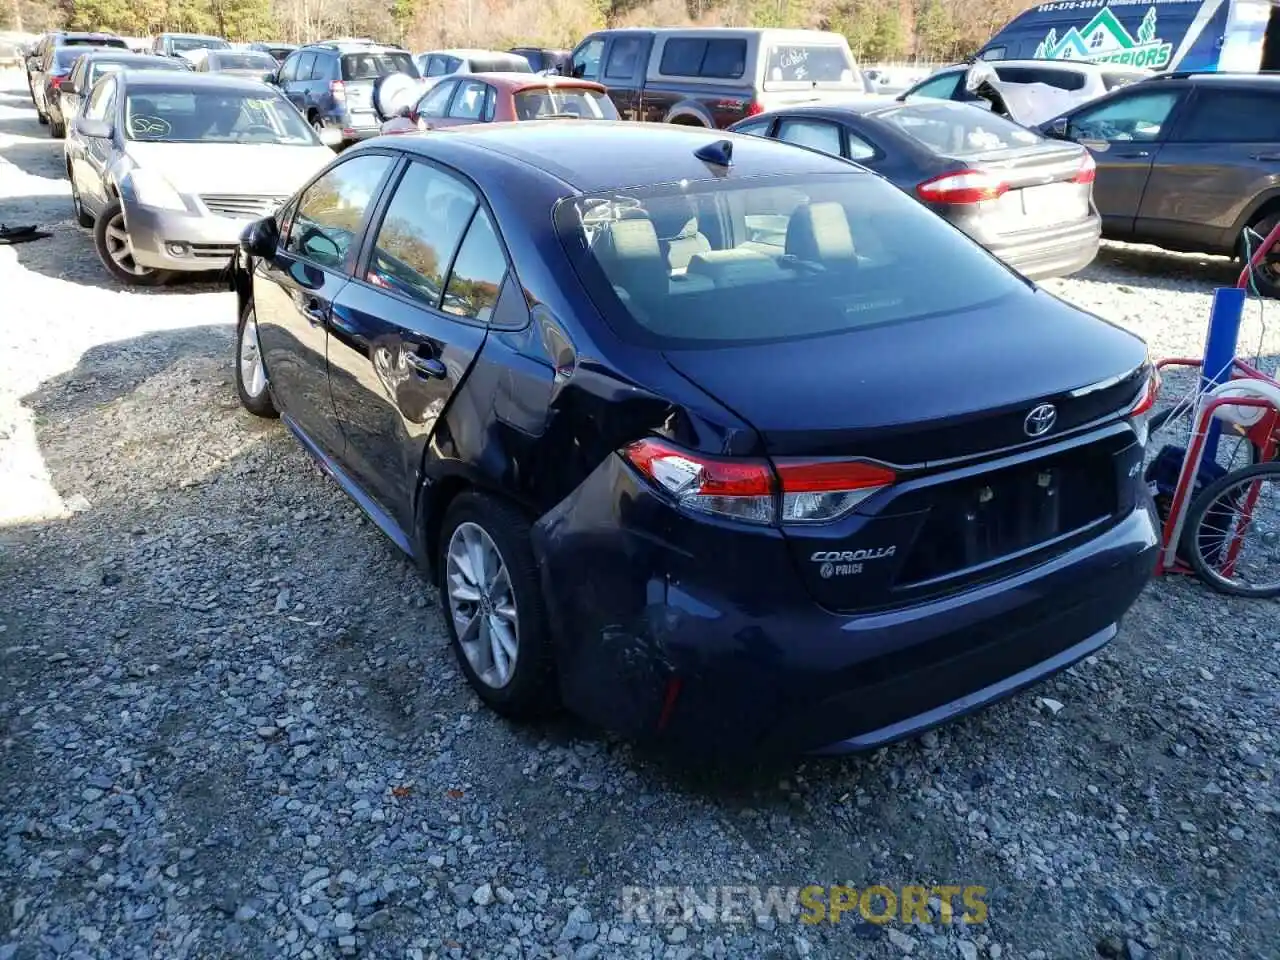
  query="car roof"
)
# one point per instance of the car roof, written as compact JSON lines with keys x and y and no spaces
{"x":613,"y":156}
{"x":191,"y":36}
{"x":118,"y":55}
{"x":773,"y":33}
{"x":196,"y":81}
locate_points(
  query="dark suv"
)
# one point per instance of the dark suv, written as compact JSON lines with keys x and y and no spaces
{"x":37,"y":60}
{"x":1186,"y":161}
{"x":332,"y":83}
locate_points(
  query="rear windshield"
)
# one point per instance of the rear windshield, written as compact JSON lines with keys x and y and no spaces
{"x":553,"y":102}
{"x":244,"y":61}
{"x":957,"y":129}
{"x":807,"y":63}
{"x":504,"y":65}
{"x":64,"y":57}
{"x":93,"y":42}
{"x":371,"y":66}
{"x":187,"y":44}
{"x":100,"y":67}
{"x":704,"y":264}
{"x":1070,"y":80}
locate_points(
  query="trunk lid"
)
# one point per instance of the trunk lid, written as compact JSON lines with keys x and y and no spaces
{"x":922,"y":393}
{"x":1041,"y":189}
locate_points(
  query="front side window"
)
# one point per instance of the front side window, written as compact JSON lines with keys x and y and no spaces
{"x":623,"y":58}
{"x":436,"y":102}
{"x":1137,"y":117}
{"x":103,"y":96}
{"x":800,"y":256}
{"x":436,"y":66}
{"x":468,"y":102}
{"x":331,"y":210}
{"x":478,"y":272}
{"x":420,"y":232}
{"x":817,"y":134}
{"x":306,"y":67}
{"x":213,"y":116}
{"x":1232,"y":116}
{"x":586,"y":61}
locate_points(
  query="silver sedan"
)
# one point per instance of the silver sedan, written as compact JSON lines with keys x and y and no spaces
{"x":169,"y":168}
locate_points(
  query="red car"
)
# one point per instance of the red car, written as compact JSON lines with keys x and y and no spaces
{"x":498,"y":97}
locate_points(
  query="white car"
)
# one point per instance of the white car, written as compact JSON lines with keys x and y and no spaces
{"x":434,"y":64}
{"x":1041,"y":88}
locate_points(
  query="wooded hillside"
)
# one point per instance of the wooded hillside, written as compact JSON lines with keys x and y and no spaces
{"x":877,"y":29}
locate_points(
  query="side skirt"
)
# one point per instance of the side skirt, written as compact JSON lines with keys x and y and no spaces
{"x":381,"y":519}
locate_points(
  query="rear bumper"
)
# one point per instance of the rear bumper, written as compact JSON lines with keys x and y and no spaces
{"x":177,"y":240}
{"x":1051,"y":253}
{"x":718,"y":649}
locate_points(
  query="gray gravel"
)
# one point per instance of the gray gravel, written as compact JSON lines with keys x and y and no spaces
{"x":230,"y":724}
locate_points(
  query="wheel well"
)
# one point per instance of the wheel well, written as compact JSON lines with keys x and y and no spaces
{"x":687,"y":120}
{"x":1269,"y":208}
{"x":436,"y":500}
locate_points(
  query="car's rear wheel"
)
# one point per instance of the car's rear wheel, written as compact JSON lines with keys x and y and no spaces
{"x":57,"y":129}
{"x":493,"y":606}
{"x":251,"y":372}
{"x":1266,"y":276}
{"x":41,"y":117}
{"x":111,"y":237}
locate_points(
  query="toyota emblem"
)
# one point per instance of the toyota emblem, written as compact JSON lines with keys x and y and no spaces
{"x":1040,"y":420}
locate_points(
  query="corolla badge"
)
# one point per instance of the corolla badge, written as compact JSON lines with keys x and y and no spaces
{"x":1040,"y":420}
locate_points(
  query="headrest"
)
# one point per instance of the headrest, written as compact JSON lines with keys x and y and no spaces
{"x":674,"y":217}
{"x":820,"y":232}
{"x":629,"y":252}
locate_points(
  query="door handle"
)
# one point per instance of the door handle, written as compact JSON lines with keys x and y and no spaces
{"x":426,"y":367}
{"x":1266,"y":156}
{"x":1134,"y":154}
{"x":314,"y":312}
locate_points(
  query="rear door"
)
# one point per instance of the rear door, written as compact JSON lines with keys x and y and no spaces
{"x":293,"y":291}
{"x":409,"y":326}
{"x":1222,"y":155}
{"x":1124,"y":132}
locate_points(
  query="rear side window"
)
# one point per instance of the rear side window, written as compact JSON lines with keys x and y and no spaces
{"x":306,"y":63}
{"x":468,"y":102}
{"x":955,"y":129}
{"x":700,"y":57}
{"x":420,"y":232}
{"x":1232,"y":116}
{"x":800,"y":256}
{"x":1059,"y":79}
{"x":371,"y":66}
{"x":242,"y":61}
{"x":817,"y":134}
{"x":478,"y":272}
{"x":332,"y":210}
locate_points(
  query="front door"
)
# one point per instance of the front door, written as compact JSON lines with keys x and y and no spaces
{"x":89,"y":155}
{"x":1124,"y":133}
{"x":293,"y":291}
{"x":407,"y":329}
{"x":625,"y":64}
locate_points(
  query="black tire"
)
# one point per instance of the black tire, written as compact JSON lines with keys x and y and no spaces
{"x":57,"y":129}
{"x":1193,"y":543}
{"x":531,"y":692}
{"x":112,"y":213}
{"x":42,"y":118}
{"x":262,"y":404}
{"x":77,"y":205}
{"x":1266,"y":277}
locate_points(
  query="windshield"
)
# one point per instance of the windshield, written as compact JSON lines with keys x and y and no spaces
{"x":956,"y":129}
{"x":552,"y":102}
{"x":243,"y":61}
{"x":371,"y":66}
{"x":187,"y":44}
{"x":807,"y":63}
{"x":771,"y":258}
{"x":214,"y":116}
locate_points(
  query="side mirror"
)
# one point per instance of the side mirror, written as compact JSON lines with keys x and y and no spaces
{"x":1058,"y":129}
{"x":260,"y":238}
{"x":92,"y":129}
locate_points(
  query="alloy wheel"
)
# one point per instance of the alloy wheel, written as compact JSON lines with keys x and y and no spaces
{"x":253,"y":373}
{"x":120,"y":250}
{"x":482,"y":604}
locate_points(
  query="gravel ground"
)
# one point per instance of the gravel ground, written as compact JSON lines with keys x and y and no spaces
{"x":230,"y":723}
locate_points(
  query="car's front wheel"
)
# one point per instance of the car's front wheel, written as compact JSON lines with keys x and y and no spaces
{"x":251,"y":372}
{"x":111,"y":237}
{"x":493,"y":606}
{"x":57,"y":129}
{"x":1266,"y":276}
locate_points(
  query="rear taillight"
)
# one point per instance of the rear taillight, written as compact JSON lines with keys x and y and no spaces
{"x":789,"y":491}
{"x":1139,"y":413}
{"x":754,"y":108}
{"x":56,"y":82}
{"x":1088,"y":171}
{"x":338,"y":89}
{"x":962,"y":186}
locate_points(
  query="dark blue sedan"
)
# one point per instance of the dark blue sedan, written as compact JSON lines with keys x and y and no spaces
{"x":709,"y":439}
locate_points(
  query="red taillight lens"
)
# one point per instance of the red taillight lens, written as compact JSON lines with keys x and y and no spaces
{"x":790,"y":491}
{"x":815,"y":491}
{"x":1147,"y":398}
{"x":338,"y":89}
{"x":56,"y":82}
{"x":1088,"y":171}
{"x":962,"y":186}
{"x":754,"y":108}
